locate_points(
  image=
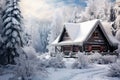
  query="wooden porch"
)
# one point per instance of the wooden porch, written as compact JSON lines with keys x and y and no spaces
{"x":72,"y":50}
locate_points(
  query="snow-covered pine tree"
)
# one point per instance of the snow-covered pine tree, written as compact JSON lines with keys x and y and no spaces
{"x":96,"y":9}
{"x":112,"y":19}
{"x":11,"y":32}
{"x":27,"y":39}
{"x":114,"y":28}
{"x":75,"y":16}
{"x":116,"y":22}
{"x":56,"y":27}
{"x":43,"y":38}
{"x":112,"y":15}
{"x":2,"y":5}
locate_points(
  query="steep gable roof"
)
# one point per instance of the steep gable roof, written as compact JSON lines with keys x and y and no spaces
{"x":80,"y":32}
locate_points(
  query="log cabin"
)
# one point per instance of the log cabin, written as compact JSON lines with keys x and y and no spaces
{"x":89,"y":36}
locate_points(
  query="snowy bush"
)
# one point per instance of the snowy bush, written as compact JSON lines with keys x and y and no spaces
{"x":28,"y":65}
{"x":95,"y":57}
{"x":24,"y":68}
{"x":114,"y":70}
{"x":98,"y":58}
{"x":30,"y":52}
{"x":106,"y":59}
{"x":81,"y":62}
{"x":44,"y":62}
{"x":56,"y":62}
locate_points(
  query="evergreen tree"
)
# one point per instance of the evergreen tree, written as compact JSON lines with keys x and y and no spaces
{"x":114,"y":28}
{"x":112,"y":14}
{"x":44,"y":31}
{"x":115,"y":18}
{"x":75,"y":17}
{"x":11,"y":32}
{"x":56,"y":27}
{"x":27,"y":39}
{"x":96,"y":9}
{"x":2,"y":5}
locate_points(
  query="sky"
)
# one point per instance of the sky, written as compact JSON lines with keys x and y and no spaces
{"x":45,"y":9}
{"x":69,"y":2}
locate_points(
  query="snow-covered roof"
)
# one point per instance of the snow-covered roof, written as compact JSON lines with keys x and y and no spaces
{"x":107,"y":27}
{"x":79,"y":32}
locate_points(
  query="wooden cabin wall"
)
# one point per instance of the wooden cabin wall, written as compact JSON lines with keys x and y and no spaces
{"x":70,"y":48}
{"x":97,"y":42}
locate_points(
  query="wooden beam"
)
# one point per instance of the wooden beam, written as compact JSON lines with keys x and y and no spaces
{"x":82,"y":48}
{"x":72,"y":48}
{"x":55,"y":48}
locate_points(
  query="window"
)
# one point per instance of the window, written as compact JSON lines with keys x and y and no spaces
{"x":76,"y":49}
{"x":88,"y":48}
{"x":96,"y":34}
{"x":67,"y":48}
{"x":96,"y":47}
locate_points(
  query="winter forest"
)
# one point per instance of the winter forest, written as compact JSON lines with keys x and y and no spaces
{"x":29,"y":27}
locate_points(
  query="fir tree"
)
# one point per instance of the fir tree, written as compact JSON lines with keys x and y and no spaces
{"x":112,"y":14}
{"x":114,"y":28}
{"x":56,"y":27}
{"x":75,"y":17}
{"x":43,"y":39}
{"x":11,"y":32}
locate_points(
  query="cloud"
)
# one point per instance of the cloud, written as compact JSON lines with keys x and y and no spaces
{"x":36,"y":8}
{"x":44,"y":9}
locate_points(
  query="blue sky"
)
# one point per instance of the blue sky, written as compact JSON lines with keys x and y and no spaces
{"x":71,"y":2}
{"x":77,"y":2}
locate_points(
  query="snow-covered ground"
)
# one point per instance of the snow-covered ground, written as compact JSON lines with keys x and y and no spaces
{"x":6,"y":76}
{"x":97,"y":72}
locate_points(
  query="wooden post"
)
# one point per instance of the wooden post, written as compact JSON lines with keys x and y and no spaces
{"x":55,"y":49}
{"x":82,"y":48}
{"x":61,"y":49}
{"x":72,"y":48}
